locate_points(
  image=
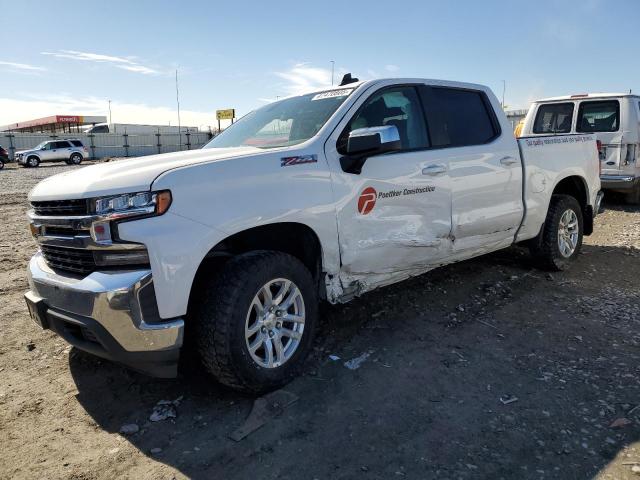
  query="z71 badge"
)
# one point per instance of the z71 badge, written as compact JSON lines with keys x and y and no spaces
{"x":299,"y":160}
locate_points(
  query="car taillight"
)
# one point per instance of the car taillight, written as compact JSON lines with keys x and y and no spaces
{"x":85,"y":149}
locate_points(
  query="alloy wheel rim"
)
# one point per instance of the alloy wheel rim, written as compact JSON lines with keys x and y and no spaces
{"x":275,"y":323}
{"x":568,"y":231}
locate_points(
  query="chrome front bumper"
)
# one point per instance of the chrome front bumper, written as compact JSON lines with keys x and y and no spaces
{"x":117,"y":309}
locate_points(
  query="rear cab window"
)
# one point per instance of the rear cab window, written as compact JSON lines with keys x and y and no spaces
{"x":553,"y":118}
{"x":598,"y":116}
{"x":459,"y":117}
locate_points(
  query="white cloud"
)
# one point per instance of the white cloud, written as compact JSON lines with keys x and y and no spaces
{"x":303,"y":78}
{"x":22,"y":66}
{"x":391,"y":68}
{"x":125,"y":63}
{"x":46,"y":105}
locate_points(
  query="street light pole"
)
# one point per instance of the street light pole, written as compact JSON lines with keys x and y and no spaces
{"x":332,"y":67}
{"x":504,"y":88}
{"x":109,"y":112}
{"x":178,"y":102}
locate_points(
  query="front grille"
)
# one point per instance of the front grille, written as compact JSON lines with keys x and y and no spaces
{"x":70,"y":259}
{"x":59,"y":208}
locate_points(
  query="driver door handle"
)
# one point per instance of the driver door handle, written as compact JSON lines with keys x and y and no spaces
{"x":508,"y":161}
{"x":435,"y":169}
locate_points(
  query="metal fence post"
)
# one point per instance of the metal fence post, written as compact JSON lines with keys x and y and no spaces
{"x":158,"y":144}
{"x":12,"y":148}
{"x":188,"y":141}
{"x":126,"y":144}
{"x":93,"y":147}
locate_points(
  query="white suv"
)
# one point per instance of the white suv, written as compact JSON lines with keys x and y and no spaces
{"x":71,"y":151}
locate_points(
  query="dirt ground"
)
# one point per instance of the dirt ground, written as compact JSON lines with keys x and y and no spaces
{"x":485,"y":369}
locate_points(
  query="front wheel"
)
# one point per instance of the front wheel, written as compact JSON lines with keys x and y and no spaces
{"x":255,"y":324}
{"x":560,"y":240}
{"x":33,"y":162}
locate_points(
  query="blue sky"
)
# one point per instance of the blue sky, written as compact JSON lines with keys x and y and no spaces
{"x":71,"y":57}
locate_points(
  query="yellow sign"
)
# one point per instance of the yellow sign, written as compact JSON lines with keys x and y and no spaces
{"x":228,"y":114}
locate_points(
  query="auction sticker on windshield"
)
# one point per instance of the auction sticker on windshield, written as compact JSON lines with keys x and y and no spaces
{"x":332,"y":94}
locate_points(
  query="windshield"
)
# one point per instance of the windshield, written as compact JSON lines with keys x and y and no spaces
{"x":284,"y":123}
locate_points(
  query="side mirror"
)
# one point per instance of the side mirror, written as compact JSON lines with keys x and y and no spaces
{"x":367,"y":142}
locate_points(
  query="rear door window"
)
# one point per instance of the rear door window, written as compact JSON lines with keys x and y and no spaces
{"x":553,"y":118}
{"x":458,"y":117}
{"x":61,"y":145}
{"x":77,"y":143}
{"x":599,"y":116}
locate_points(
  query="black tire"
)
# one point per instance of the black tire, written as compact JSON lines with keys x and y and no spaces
{"x":33,"y":162}
{"x":221,"y":315}
{"x":633,"y":197}
{"x":75,"y":159}
{"x":545,"y":247}
{"x":1,"y":164}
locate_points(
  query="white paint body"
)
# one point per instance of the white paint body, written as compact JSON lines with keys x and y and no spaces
{"x":481,"y":202}
{"x":620,"y":158}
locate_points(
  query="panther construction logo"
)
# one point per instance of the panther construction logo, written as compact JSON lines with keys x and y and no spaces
{"x":367,"y":200}
{"x":369,"y":196}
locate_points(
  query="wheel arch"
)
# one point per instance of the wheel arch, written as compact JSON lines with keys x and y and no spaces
{"x":576,"y":186}
{"x":296,"y":239}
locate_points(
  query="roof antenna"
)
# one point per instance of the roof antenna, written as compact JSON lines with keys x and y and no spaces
{"x":347,"y":79}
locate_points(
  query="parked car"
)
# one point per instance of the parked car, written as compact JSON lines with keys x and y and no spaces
{"x":322,"y":196}
{"x":71,"y":151}
{"x":4,"y":157}
{"x":614,"y":118}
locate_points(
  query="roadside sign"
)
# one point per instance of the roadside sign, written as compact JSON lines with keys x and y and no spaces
{"x":228,"y":114}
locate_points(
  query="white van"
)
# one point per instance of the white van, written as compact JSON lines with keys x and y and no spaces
{"x":615,"y":120}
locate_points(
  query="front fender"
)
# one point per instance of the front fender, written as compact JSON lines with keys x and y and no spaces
{"x":214,"y":200}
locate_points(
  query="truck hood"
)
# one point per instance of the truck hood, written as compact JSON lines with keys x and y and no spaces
{"x":126,"y":176}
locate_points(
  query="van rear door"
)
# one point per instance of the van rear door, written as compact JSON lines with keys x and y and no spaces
{"x":603,"y":118}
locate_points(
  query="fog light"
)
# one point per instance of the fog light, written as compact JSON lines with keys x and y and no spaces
{"x":122,"y":257}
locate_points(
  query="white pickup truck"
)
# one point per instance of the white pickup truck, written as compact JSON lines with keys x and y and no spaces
{"x":322,"y":196}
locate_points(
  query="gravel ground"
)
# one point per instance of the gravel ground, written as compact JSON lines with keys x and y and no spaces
{"x":485,"y":369}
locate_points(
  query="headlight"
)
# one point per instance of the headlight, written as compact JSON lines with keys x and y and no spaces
{"x":124,"y":207}
{"x":132,"y":204}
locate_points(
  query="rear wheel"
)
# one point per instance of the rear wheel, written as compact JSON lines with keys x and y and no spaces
{"x":560,"y":240}
{"x":33,"y":162}
{"x":76,"y":159}
{"x":255,"y":324}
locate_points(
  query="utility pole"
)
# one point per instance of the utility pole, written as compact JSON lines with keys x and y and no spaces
{"x":109,"y":112}
{"x":178,"y":102}
{"x":333,"y":64}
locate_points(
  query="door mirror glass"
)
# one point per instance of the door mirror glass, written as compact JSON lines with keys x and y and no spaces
{"x":373,"y":140}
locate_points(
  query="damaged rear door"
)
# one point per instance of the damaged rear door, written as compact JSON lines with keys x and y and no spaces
{"x":395,"y":216}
